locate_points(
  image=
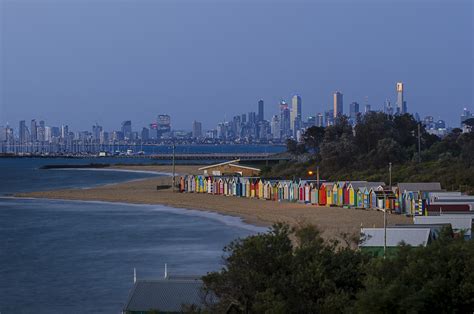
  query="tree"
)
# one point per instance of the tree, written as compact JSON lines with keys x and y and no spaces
{"x":435,"y":279}
{"x":313,"y":137}
{"x":294,"y":148}
{"x":267,"y":274}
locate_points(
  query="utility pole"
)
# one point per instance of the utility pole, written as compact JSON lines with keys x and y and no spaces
{"x":419,"y":142}
{"x":174,"y":167}
{"x":384,"y":227}
{"x":317,"y":176}
{"x":390,"y":175}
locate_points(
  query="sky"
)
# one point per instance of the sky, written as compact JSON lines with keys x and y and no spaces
{"x":81,"y":62}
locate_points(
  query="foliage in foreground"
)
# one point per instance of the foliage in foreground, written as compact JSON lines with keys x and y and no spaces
{"x":267,"y":273}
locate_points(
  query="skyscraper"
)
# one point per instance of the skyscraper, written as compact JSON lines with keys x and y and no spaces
{"x":353,"y":110}
{"x":401,"y":103}
{"x":23,"y":132}
{"x":163,"y":124}
{"x":387,"y":108}
{"x":145,"y":136}
{"x":260,"y":116}
{"x":338,"y":104}
{"x":197,"y":129}
{"x":64,"y":131}
{"x":40,"y":133}
{"x":127,"y":129}
{"x":285,"y":125}
{"x":295,"y":113}
{"x":96,"y":129}
{"x":275,"y":128}
{"x":367,"y":108}
{"x":33,"y":131}
{"x":320,"y":120}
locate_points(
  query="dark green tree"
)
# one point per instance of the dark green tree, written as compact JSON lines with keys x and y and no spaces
{"x":435,"y":279}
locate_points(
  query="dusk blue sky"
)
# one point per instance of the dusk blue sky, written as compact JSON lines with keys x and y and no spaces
{"x":81,"y":61}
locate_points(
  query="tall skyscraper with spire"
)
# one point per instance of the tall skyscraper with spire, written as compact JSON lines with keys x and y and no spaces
{"x":401,"y":103}
{"x":295,"y":113}
{"x":338,"y":104}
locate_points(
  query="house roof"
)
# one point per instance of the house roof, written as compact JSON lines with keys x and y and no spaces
{"x":220,"y":164}
{"x":166,"y":295}
{"x":232,"y":163}
{"x":374,"y":237}
{"x":458,"y":222}
{"x":420,"y":186}
{"x":435,"y":228}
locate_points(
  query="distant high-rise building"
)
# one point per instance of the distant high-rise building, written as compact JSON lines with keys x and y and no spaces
{"x":64,"y":131}
{"x":197,"y":129}
{"x":33,"y":131}
{"x":466,"y":114}
{"x":127,"y":129}
{"x":353,"y":110}
{"x":243,"y":119}
{"x":55,"y":132}
{"x":263,"y":130}
{"x":338,"y":108}
{"x":320,"y":120}
{"x":104,"y":137}
{"x":260,"y":116}
{"x":401,"y":103}
{"x":295,"y":115}
{"x":329,"y":117}
{"x":40,"y":136}
{"x":387,"y":108}
{"x":96,"y":129}
{"x":3,"y":133}
{"x":285,"y":118}
{"x":23,"y":132}
{"x":222,"y":130}
{"x":367,"y":108}
{"x":311,"y":122}
{"x":252,"y":117}
{"x":163,"y":124}
{"x":275,"y":127}
{"x":145,"y":136}
{"x":48,"y":134}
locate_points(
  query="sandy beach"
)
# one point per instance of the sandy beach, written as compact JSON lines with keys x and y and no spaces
{"x":331,"y":220}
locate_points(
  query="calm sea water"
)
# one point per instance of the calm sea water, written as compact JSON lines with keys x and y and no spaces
{"x":76,"y":257}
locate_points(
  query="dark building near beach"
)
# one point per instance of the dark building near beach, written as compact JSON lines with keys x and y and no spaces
{"x":168,"y":295}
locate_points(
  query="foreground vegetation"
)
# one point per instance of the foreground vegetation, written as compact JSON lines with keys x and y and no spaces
{"x":271,"y":273}
{"x":363,"y":153}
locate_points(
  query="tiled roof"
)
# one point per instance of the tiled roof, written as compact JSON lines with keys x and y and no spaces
{"x":420,"y":186}
{"x":458,"y":222}
{"x":167,"y":295}
{"x":374,"y":237}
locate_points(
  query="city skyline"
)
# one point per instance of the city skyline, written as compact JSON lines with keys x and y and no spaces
{"x":205,"y":66}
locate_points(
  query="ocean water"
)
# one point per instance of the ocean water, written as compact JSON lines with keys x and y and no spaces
{"x":76,"y":257}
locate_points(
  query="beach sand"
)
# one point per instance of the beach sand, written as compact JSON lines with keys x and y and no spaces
{"x":331,"y":220}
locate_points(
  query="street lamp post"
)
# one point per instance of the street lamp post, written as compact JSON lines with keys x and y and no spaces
{"x":384,"y":227}
{"x":390,"y":174}
{"x":174,"y":167}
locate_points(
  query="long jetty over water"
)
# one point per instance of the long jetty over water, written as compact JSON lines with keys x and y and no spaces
{"x":167,"y":156}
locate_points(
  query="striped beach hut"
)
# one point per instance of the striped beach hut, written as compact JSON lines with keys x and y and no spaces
{"x":276,"y":191}
{"x":322,"y":196}
{"x":260,"y":188}
{"x":314,"y":194}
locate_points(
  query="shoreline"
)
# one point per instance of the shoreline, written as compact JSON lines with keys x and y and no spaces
{"x":333,"y":221}
{"x":235,"y":221}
